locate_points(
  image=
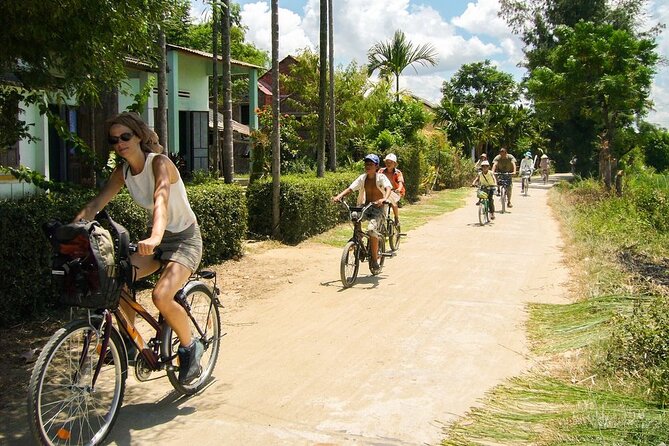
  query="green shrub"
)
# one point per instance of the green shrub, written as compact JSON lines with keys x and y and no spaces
{"x":639,"y":346}
{"x":25,"y":283}
{"x":306,"y":208}
{"x":222,"y":215}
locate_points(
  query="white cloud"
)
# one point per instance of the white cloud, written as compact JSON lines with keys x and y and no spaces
{"x":481,"y":18}
{"x":292,"y":37}
{"x":477,"y":34}
{"x":659,"y":13}
{"x":359,"y":25}
{"x":660,"y":96}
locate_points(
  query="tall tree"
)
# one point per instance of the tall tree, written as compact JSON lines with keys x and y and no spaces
{"x":322,"y":88}
{"x":52,"y":52}
{"x":600,"y":73}
{"x":394,"y":56}
{"x":228,"y":148}
{"x":216,"y":143}
{"x":537,"y":22}
{"x":486,"y":89}
{"x":276,"y":129}
{"x":161,"y":124}
{"x":332,"y":120}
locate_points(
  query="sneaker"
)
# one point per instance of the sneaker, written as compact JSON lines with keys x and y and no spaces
{"x":492,"y":216}
{"x":374,"y":265}
{"x":189,"y":361}
{"x":509,"y":204}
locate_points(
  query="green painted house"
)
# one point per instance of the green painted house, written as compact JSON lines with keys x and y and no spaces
{"x":189,"y":129}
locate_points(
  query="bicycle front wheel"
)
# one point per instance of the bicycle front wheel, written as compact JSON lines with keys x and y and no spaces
{"x":350,"y":264}
{"x":65,"y":406}
{"x":481,"y":214}
{"x":380,"y":251}
{"x":205,"y":325}
{"x":503,"y":198}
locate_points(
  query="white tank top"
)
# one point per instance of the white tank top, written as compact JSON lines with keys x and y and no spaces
{"x":142,"y":186}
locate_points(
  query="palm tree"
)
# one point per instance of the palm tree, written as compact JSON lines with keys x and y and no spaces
{"x":214,"y":84}
{"x":393,"y":56}
{"x":276,"y":130}
{"x":228,"y":152}
{"x":332,"y":121}
{"x":322,"y":85}
{"x":460,"y":122}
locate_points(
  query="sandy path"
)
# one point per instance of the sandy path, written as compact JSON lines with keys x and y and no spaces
{"x":387,"y":362}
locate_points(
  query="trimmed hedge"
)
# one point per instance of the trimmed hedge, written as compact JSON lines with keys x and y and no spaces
{"x":306,"y":208}
{"x":25,"y":285}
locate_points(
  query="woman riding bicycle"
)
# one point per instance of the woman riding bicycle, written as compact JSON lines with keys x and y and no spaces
{"x":487,"y":180}
{"x":154,"y":183}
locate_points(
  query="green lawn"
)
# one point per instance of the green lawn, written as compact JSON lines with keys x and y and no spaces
{"x":411,"y":215}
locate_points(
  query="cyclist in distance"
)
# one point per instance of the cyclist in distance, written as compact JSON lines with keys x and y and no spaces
{"x":396,"y":179}
{"x":373,"y":187}
{"x":544,"y":164}
{"x":488,"y":181}
{"x":527,"y":166}
{"x":505,"y":163}
{"x":154,"y":183}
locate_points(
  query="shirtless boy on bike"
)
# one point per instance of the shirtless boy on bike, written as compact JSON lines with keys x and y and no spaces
{"x":372,"y":187}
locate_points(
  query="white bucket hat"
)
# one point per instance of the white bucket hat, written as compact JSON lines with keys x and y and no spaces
{"x":391,"y":157}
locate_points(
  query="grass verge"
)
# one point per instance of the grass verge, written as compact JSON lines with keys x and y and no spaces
{"x":411,"y":215}
{"x":602,"y":377}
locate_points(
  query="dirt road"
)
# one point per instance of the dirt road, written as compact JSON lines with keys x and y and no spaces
{"x":387,"y":362}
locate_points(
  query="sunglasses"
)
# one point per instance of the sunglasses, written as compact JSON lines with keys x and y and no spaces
{"x":113,"y":140}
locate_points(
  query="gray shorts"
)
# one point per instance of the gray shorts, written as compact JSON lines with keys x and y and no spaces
{"x":375,"y":217}
{"x":183,"y":247}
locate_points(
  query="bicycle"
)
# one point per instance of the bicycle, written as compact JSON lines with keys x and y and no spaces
{"x":503,"y":184}
{"x":77,"y":385}
{"x":393,"y":230}
{"x":484,"y":194}
{"x":358,"y":248}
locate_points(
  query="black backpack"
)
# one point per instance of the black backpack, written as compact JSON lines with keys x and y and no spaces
{"x":90,"y":264}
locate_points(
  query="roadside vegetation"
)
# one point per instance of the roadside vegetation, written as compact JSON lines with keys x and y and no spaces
{"x":411,"y":215}
{"x":603,"y":376}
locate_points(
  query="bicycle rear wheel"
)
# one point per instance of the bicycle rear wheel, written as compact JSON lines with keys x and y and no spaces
{"x":64,"y":406}
{"x":350,"y":264}
{"x":393,"y":235}
{"x":206,"y":326}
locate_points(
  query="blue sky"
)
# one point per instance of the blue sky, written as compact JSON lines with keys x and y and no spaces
{"x":462,"y":32}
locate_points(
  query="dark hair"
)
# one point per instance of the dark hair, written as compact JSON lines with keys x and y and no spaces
{"x":135,"y":123}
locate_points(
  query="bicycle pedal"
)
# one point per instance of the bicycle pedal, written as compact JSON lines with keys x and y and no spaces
{"x":388,"y":254}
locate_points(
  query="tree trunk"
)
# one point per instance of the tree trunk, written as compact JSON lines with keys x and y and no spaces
{"x":276,"y":129}
{"x":619,"y":183}
{"x":322,"y":86}
{"x":228,"y":149}
{"x":215,"y":146}
{"x":161,"y":124}
{"x":333,"y":122}
{"x":605,"y":164}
